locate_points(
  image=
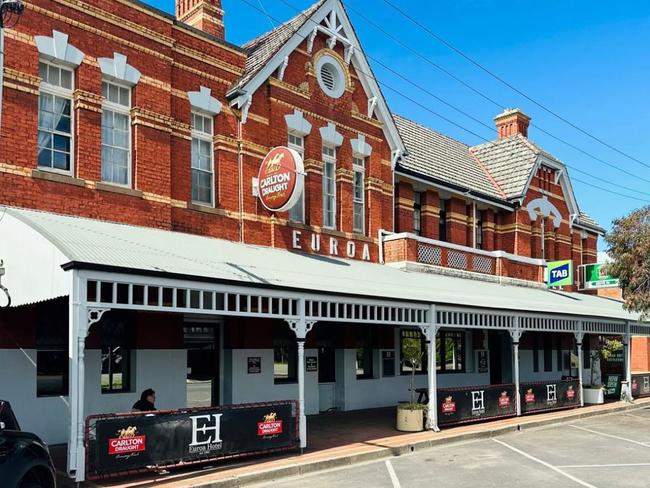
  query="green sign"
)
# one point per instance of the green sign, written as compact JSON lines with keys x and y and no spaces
{"x":596,"y":276}
{"x":613,"y":386}
{"x":559,"y":273}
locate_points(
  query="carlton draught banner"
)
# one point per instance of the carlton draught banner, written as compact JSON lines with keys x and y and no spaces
{"x":460,"y":405}
{"x":549,"y":395}
{"x":126,"y":443}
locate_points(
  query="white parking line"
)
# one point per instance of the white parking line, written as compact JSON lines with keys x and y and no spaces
{"x":544,"y":463}
{"x":603,"y":465}
{"x":612,"y":436}
{"x":393,"y":476}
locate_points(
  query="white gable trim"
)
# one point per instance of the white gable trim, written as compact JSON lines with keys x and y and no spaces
{"x":562,"y":177}
{"x":118,"y":69}
{"x":57,"y":48}
{"x":330,"y":135}
{"x":204,"y":101}
{"x":345,"y":33}
{"x":297,"y":124}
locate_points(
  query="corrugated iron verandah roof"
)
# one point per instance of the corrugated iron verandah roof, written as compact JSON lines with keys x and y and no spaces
{"x":191,"y":273}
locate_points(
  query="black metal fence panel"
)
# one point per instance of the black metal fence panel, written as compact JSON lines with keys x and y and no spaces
{"x":470,"y":404}
{"x":549,"y":395}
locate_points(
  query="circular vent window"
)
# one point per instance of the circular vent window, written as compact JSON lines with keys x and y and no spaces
{"x":330,"y":76}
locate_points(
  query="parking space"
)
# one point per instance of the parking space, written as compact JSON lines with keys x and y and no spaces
{"x":600,"y":452}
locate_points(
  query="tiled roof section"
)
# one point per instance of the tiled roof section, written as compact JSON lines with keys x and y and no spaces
{"x":444,"y":159}
{"x":510,"y":161}
{"x":587,"y":221}
{"x":261,"y":49}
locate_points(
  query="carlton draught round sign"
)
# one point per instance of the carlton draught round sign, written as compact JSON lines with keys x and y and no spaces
{"x":281,"y":179}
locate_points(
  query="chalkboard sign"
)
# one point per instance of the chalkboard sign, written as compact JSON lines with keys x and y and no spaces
{"x":254,"y":365}
{"x":312,"y":363}
{"x":388,"y":363}
{"x":613,"y":386}
{"x":483,"y":365}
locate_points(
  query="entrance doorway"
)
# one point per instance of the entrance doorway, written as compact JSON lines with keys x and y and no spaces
{"x":202,"y":344}
{"x":500,"y":357}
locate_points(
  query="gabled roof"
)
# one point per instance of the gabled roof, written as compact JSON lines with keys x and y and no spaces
{"x":444,"y":159}
{"x":268,"y":52}
{"x":261,"y":49}
{"x":586,"y":221}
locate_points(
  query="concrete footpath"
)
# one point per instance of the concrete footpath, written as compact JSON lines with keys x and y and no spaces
{"x":348,"y":453}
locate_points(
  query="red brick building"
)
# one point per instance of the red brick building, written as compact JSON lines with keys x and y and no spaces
{"x":136,"y":246}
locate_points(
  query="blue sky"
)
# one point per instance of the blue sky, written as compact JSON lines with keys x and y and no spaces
{"x":586,"y":60}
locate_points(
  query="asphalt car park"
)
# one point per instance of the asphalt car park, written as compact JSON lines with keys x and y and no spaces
{"x":608,"y":451}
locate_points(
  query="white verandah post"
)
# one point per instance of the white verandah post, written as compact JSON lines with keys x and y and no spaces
{"x":80,"y":318}
{"x":627,"y":343}
{"x":430,"y":332}
{"x":301,"y":328}
{"x":579,"y":335}
{"x":515,"y":333}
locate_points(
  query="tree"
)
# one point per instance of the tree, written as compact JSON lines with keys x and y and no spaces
{"x":605,"y":351}
{"x":629,"y":249}
{"x":412,"y":356}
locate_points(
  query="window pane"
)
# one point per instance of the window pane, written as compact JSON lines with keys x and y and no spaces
{"x":66,"y":79}
{"x":45,"y":158}
{"x":116,"y":369}
{"x":285,"y":359}
{"x":61,"y":161}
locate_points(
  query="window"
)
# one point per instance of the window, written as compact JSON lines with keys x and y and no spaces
{"x":479,"y":230}
{"x":548,"y":352}
{"x":329,"y":187}
{"x":451,"y":351}
{"x":116,"y":369}
{"x":358,"y":195}
{"x":413,"y":337}
{"x":388,"y":363}
{"x":558,"y":352}
{"x":55,"y":118}
{"x":116,"y":134}
{"x":297,"y":212}
{"x":536,"y":353}
{"x":442,"y":221}
{"x":586,"y":352}
{"x":285,"y":361}
{"x":364,"y":363}
{"x":52,"y":373}
{"x":417,"y":213}
{"x":202,"y":160}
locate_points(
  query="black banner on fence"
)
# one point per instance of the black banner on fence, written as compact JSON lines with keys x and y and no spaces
{"x":458,"y":405}
{"x":641,"y":385}
{"x":548,"y":395}
{"x":126,"y":443}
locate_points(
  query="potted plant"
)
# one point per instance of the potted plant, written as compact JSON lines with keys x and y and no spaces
{"x":410,"y":415}
{"x":595,"y":392}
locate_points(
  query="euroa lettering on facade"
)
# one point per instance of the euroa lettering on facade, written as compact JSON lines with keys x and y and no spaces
{"x":167,"y":151}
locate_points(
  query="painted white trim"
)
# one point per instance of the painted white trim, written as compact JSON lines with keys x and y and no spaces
{"x":358,"y":60}
{"x":297,"y":124}
{"x":330,"y":136}
{"x":203,"y":101}
{"x":117,"y":68}
{"x":546,"y":208}
{"x":360,"y":147}
{"x":57,"y":49}
{"x":458,"y":247}
{"x":338,"y":89}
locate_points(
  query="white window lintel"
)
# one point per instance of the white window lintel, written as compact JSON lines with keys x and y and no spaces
{"x":360,"y":147}
{"x":203,"y":101}
{"x":117,"y":68}
{"x":57,"y":48}
{"x":297,"y":124}
{"x":331,"y":136}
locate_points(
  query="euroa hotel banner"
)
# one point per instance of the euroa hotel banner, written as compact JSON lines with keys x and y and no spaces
{"x":135,"y":442}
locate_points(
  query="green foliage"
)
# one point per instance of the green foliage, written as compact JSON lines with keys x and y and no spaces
{"x":605,"y":351}
{"x":412,"y":355}
{"x":629,"y":249}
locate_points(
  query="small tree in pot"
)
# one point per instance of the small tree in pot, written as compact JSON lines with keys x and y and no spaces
{"x":410,"y":415}
{"x":594,"y":393}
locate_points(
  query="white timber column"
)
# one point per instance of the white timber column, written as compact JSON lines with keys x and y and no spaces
{"x":579,"y":335}
{"x":81,"y":318}
{"x":627,"y":344}
{"x":301,"y":328}
{"x":515,"y":333}
{"x":430,"y":332}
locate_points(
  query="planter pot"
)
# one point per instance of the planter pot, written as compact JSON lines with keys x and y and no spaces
{"x":410,"y":420}
{"x":593,"y":395}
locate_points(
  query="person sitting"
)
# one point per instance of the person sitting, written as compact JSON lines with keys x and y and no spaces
{"x":147,"y":401}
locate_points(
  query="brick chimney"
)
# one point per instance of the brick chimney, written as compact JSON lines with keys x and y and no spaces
{"x":205,"y":15}
{"x":512,"y":121}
